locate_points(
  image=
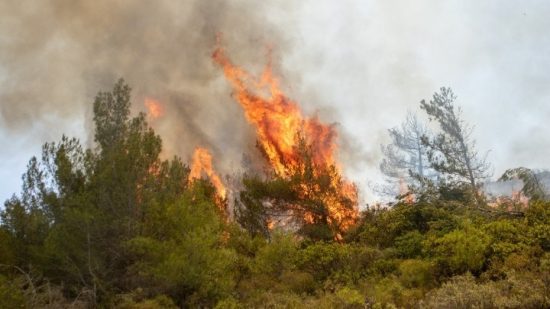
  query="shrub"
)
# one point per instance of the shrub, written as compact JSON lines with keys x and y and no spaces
{"x":538,"y":219}
{"x":388,"y":291}
{"x":278,"y":256}
{"x":507,"y":237}
{"x":516,"y":291}
{"x":409,"y":245}
{"x":416,"y":273}
{"x":460,"y":292}
{"x":11,"y":296}
{"x":461,"y":250}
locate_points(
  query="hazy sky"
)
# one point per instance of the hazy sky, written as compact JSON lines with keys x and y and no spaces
{"x":361,"y":64}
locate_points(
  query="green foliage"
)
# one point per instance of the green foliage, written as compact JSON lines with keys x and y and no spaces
{"x":388,"y":291}
{"x":383,"y":226}
{"x":277,"y":257}
{"x":452,"y":152}
{"x":524,"y":291}
{"x":460,"y":292}
{"x":303,"y":198}
{"x":538,"y":219}
{"x":343,"y":298}
{"x":274,"y":268}
{"x":507,"y":237}
{"x":417,"y":273}
{"x":322,"y":259}
{"x":274,"y":300}
{"x":384,"y":266}
{"x":111,"y":112}
{"x":137,"y":300}
{"x":409,"y":245}
{"x":339,"y":263}
{"x":11,"y":296}
{"x":188,"y":261}
{"x":7,"y":246}
{"x":117,"y":227}
{"x":460,"y":250}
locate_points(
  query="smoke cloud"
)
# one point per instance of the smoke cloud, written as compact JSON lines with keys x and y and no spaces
{"x":56,"y":55}
{"x":361,"y":64}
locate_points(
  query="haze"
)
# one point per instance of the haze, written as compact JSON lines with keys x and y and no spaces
{"x":361,"y":64}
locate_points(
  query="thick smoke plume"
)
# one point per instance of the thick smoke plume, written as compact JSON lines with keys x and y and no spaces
{"x":348,"y":62}
{"x":56,"y":55}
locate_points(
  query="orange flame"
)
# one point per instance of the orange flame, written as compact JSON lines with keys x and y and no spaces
{"x":202,"y":161}
{"x":270,"y":224}
{"x":408,"y":197}
{"x":278,"y":120}
{"x":154,"y":108}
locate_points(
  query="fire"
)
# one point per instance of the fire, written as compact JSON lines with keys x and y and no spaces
{"x":408,"y":197}
{"x":520,"y":198}
{"x":278,"y":121}
{"x":202,"y":161}
{"x":154,"y":108}
{"x":270,"y":224}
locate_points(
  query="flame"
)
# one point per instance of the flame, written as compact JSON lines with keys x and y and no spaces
{"x":270,"y":224}
{"x":278,"y":121}
{"x":408,"y":197}
{"x":202,"y":161}
{"x":154,"y":108}
{"x":520,"y":198}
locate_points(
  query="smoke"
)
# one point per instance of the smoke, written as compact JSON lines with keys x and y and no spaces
{"x":373,"y":61}
{"x":56,"y":55}
{"x":361,"y":64}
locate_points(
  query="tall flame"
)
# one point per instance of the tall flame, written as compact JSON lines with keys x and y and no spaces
{"x":278,"y":120}
{"x":154,"y":108}
{"x":202,"y":161}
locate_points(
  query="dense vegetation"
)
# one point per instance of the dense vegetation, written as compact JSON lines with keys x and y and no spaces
{"x":116,"y":226}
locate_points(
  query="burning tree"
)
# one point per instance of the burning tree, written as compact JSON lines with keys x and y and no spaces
{"x":202,"y":162}
{"x":313,"y":199}
{"x":306,"y":184}
{"x":533,"y":181}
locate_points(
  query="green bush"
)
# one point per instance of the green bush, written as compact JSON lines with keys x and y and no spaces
{"x":275,"y":300}
{"x":538,"y":219}
{"x":507,"y":237}
{"x":277,"y":257}
{"x":417,"y":273}
{"x":11,"y":296}
{"x":389,"y":290}
{"x":409,"y":245}
{"x":159,"y":302}
{"x":460,"y":250}
{"x":516,"y":291}
{"x":460,"y":292}
{"x":298,"y":282}
{"x":345,"y":297}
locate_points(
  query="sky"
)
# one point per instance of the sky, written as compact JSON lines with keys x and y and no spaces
{"x":360,"y":64}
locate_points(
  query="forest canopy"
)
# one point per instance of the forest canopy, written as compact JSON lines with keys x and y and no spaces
{"x":117,"y":226}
